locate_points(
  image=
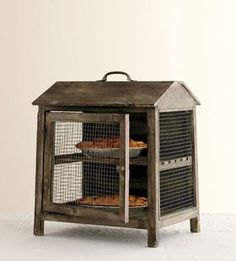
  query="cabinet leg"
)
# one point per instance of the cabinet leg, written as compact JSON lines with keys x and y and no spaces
{"x":195,"y":224}
{"x":38,"y":226}
{"x":153,"y":237}
{"x":38,"y":221}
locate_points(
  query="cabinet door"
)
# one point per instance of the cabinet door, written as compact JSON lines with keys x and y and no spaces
{"x":86,"y":165}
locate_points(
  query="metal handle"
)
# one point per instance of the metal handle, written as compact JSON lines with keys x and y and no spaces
{"x":104,"y":78}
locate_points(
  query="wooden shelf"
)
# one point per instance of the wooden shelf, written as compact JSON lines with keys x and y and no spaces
{"x":77,"y":157}
{"x":140,"y":161}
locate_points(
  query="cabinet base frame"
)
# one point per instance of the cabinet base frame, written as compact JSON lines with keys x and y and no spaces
{"x":141,"y":223}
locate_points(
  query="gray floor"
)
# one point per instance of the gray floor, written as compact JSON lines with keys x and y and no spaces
{"x":70,"y":242}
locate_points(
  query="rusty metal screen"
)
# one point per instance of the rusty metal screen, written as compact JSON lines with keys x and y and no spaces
{"x":176,"y":151}
{"x":81,"y":173}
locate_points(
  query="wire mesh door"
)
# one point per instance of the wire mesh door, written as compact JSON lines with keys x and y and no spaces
{"x":87,"y":163}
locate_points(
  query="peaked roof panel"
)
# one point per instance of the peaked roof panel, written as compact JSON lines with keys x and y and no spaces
{"x":134,"y":93}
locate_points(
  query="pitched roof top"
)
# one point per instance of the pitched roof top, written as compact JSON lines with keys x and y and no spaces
{"x":136,"y":93}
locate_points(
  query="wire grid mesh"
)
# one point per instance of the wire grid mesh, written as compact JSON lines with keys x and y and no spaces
{"x":175,"y":135}
{"x":176,"y":184}
{"x":176,"y":189}
{"x":78,"y":175}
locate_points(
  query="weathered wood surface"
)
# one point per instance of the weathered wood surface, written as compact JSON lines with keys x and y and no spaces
{"x":140,"y":161}
{"x":84,"y":117}
{"x":153,"y":222}
{"x":75,"y":157}
{"x":97,"y":109}
{"x":124,"y":169}
{"x":103,"y":94}
{"x":175,"y":98}
{"x":195,"y":160}
{"x":153,"y":177}
{"x":195,"y":223}
{"x":133,"y":223}
{"x":38,"y":221}
{"x":48,"y":160}
{"x":177,"y":163}
{"x":70,"y":210}
{"x":178,"y":216}
{"x":95,"y":213}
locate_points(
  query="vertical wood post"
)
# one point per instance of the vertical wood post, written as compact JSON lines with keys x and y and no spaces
{"x":38,"y":220}
{"x":153,"y":177}
{"x":195,"y":222}
{"x":48,"y":160}
{"x":124,"y":169}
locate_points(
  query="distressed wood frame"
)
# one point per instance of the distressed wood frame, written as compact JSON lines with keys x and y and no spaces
{"x":122,"y":168}
{"x":149,"y":218}
{"x":195,"y":221}
{"x":38,"y":217}
{"x":153,"y":177}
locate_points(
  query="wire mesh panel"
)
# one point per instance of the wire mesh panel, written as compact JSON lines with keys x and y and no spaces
{"x":175,"y":134}
{"x":84,"y":172}
{"x":176,"y":146}
{"x":176,"y":189}
{"x":67,"y":178}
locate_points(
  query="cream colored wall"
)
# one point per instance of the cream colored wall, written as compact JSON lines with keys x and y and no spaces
{"x":49,"y":40}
